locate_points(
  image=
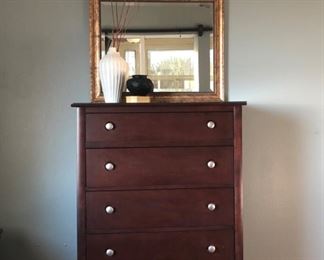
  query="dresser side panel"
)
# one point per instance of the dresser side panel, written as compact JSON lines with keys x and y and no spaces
{"x":81,"y":203}
{"x":238,"y":185}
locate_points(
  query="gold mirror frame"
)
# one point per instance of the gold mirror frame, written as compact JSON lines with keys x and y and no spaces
{"x":218,"y":41}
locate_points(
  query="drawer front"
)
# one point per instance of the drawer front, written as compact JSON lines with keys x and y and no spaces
{"x":185,"y":245}
{"x":158,"y":129}
{"x":122,"y":210}
{"x":159,"y":166}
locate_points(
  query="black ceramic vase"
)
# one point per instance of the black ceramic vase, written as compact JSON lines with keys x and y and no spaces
{"x":140,"y":85}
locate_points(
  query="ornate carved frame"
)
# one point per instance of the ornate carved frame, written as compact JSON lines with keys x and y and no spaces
{"x":217,"y":95}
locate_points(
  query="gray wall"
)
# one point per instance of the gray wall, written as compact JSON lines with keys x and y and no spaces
{"x":44,"y":68}
{"x":275,"y":62}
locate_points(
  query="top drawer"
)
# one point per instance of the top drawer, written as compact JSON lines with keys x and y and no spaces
{"x":159,"y":129}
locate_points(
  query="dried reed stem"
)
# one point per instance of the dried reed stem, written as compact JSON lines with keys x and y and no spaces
{"x":120,"y":20}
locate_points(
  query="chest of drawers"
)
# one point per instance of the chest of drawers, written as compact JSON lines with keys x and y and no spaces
{"x":160,"y":181}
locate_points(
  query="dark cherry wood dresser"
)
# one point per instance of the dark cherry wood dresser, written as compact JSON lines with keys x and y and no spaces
{"x":160,"y":181}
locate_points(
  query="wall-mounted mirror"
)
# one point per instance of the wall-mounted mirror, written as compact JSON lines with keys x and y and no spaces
{"x":178,"y":44}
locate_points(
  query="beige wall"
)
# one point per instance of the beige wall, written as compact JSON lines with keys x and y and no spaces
{"x":275,"y":62}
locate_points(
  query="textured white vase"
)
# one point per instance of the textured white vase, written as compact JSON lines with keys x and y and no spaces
{"x":113,"y":72}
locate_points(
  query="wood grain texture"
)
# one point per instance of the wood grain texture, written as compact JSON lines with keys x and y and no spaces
{"x":195,"y":105}
{"x":163,"y":208}
{"x":81,"y":205}
{"x":189,"y":245}
{"x":160,"y":187}
{"x":159,"y":129}
{"x":155,"y":108}
{"x":136,"y":167}
{"x":238,"y":190}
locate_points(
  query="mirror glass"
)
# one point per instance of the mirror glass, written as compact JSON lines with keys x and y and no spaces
{"x":170,"y":42}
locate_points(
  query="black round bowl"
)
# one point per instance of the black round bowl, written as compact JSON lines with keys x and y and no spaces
{"x":140,"y":85}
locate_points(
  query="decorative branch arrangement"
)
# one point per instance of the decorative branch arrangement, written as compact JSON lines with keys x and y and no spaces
{"x":120,"y":17}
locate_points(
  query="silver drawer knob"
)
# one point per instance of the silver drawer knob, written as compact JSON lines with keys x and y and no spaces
{"x":211,"y":249}
{"x":110,"y":252}
{"x":211,"y":164}
{"x":110,"y":126}
{"x":211,"y":206}
{"x":211,"y":124}
{"x":110,"y":210}
{"x":109,"y":166}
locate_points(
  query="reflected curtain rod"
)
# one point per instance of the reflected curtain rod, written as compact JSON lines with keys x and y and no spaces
{"x":200,"y":29}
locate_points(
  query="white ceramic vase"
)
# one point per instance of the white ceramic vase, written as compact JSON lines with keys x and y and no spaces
{"x":113,"y":72}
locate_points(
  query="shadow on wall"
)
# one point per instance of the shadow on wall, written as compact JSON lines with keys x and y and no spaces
{"x":12,"y":240}
{"x":275,"y":176}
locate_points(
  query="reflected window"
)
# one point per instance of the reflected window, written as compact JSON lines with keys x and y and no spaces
{"x":171,"y":70}
{"x":169,"y":61}
{"x":130,"y":57}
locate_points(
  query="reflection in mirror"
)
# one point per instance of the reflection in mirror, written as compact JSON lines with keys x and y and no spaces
{"x":170,"y":42}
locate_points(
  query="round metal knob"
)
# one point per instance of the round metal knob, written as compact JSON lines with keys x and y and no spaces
{"x":211,"y":124}
{"x":211,"y":249}
{"x":110,"y":126}
{"x":110,"y":210}
{"x":211,"y":206}
{"x":109,"y":166}
{"x":211,"y":164}
{"x":110,"y":252}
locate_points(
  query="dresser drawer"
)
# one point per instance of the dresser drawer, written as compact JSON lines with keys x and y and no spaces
{"x":185,"y":245}
{"x":159,"y":129}
{"x":121,"y":210}
{"x":159,"y":166}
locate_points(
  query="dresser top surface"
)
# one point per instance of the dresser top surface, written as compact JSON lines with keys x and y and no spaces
{"x":195,"y":104}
